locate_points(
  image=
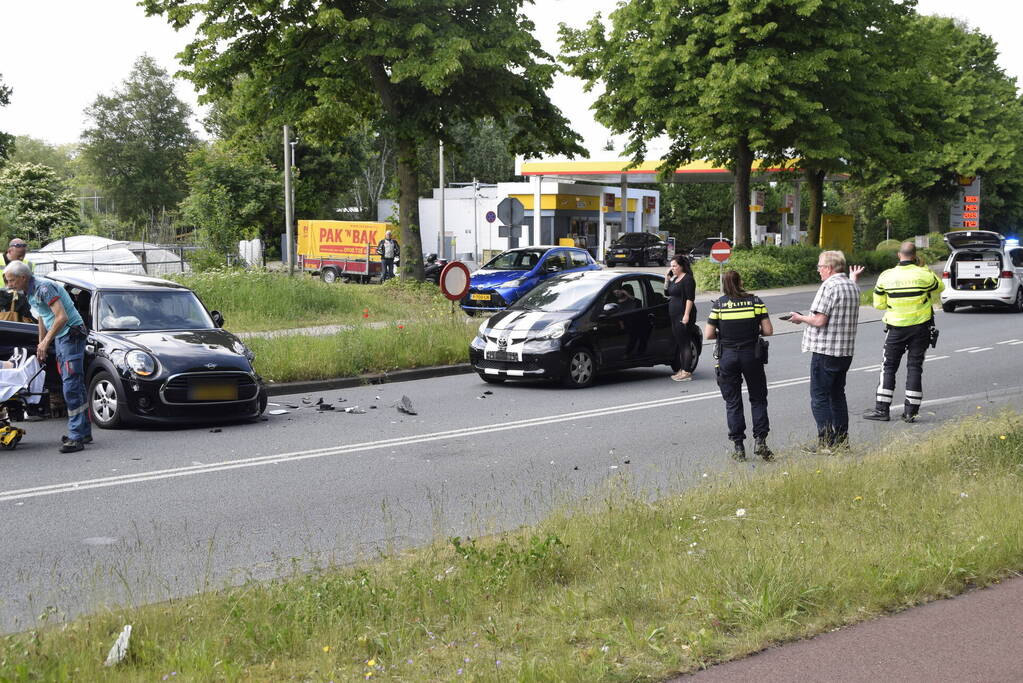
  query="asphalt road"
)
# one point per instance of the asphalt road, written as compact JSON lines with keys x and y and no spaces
{"x":148,"y":513}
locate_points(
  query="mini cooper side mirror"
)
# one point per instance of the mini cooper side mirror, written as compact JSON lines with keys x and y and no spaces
{"x":218,"y":318}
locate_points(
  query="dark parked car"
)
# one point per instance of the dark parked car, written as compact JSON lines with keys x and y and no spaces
{"x":637,"y":248}
{"x":511,"y":274}
{"x":575,"y":325}
{"x":702,"y":248}
{"x":154,"y":353}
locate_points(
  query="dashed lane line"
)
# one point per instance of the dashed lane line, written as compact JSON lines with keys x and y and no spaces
{"x":986,"y":348}
{"x":968,"y":348}
{"x":1010,"y":341}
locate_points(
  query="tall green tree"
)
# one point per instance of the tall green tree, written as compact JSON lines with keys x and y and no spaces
{"x":727,"y":81}
{"x":39,"y":204}
{"x":137,"y":141}
{"x":412,"y":68}
{"x":231,"y":196}
{"x":980,"y":115}
{"x":6,"y":139}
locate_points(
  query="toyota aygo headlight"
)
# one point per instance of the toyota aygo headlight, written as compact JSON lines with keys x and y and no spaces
{"x":483,"y":328}
{"x":141,"y":363}
{"x":553,"y":331}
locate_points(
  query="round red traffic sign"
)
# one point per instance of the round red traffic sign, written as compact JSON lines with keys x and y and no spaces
{"x":721,"y":251}
{"x":454,"y":280}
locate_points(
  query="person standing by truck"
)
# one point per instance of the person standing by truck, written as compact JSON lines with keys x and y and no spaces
{"x":388,"y":250}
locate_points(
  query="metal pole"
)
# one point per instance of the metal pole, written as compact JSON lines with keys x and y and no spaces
{"x":537,"y":202}
{"x":440,"y":226}
{"x":289,"y":208}
{"x":625,"y":206}
{"x":475,"y":221}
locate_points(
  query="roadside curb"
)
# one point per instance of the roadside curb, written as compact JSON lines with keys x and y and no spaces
{"x":282,"y":388}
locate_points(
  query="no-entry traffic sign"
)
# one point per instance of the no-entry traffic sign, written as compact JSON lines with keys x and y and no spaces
{"x":454,"y":280}
{"x":721,"y":251}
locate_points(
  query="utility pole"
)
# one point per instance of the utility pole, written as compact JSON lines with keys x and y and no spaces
{"x":289,"y":209}
{"x":440,"y":226}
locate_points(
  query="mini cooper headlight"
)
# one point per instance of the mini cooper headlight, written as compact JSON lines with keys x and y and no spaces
{"x":243,"y":350}
{"x":141,"y":363}
{"x":554,"y":331}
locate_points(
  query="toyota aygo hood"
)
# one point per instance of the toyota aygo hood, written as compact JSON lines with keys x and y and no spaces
{"x":524,"y":323}
{"x":972,"y":239}
{"x":489,"y":279}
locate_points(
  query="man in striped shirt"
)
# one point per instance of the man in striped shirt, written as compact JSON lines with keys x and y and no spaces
{"x":830,"y":336}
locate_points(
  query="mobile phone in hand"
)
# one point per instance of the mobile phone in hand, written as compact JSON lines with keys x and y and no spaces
{"x":788,"y":316}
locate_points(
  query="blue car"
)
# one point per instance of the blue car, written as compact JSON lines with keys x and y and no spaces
{"x":504,"y":279}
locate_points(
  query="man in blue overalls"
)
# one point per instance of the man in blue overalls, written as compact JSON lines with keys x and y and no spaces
{"x":61,"y":326}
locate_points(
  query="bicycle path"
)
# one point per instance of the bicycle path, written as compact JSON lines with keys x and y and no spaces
{"x":974,"y":637}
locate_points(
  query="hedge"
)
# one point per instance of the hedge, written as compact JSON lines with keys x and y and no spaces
{"x":765,"y":267}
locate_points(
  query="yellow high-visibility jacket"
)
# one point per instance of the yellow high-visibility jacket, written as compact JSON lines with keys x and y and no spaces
{"x":907,"y":294}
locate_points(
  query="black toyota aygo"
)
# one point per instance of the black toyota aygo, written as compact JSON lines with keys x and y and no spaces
{"x":154,"y":353}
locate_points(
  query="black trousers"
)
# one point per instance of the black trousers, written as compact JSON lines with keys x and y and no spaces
{"x":734,"y":366}
{"x":912,"y":342}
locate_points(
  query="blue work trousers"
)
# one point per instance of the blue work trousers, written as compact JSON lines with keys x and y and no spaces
{"x":827,"y":397}
{"x":71,"y":366}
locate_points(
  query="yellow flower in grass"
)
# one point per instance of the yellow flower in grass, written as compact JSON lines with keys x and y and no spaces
{"x":371,"y":662}
{"x":1002,"y":437}
{"x":857,"y":499}
{"x":326,"y":648}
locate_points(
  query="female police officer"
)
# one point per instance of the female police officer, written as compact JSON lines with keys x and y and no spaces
{"x":738,"y":320}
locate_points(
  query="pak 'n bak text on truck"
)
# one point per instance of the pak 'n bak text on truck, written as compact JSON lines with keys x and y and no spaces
{"x":341,"y":249}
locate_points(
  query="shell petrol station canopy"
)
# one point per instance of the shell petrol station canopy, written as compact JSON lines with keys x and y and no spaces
{"x":610,"y":172}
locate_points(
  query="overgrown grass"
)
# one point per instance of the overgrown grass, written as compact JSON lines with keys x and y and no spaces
{"x":415,"y":343}
{"x":617,"y":590}
{"x":257,"y":300}
{"x":767,"y":266}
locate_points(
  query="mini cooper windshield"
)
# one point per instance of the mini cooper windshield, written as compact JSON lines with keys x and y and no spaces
{"x":151,"y":310}
{"x":571,"y":292}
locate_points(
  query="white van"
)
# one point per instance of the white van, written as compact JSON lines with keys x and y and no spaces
{"x":984,"y":269}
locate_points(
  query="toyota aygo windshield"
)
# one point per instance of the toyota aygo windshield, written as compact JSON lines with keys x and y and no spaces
{"x":516,"y":260}
{"x":570,"y":292}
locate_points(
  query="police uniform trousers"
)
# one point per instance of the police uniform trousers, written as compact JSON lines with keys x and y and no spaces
{"x":911,"y":341}
{"x":735,"y":365}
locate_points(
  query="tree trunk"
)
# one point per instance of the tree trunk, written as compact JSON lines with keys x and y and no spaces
{"x":408,"y":211}
{"x":934,"y":223}
{"x":815,"y":189}
{"x":408,"y":178}
{"x":740,"y":213}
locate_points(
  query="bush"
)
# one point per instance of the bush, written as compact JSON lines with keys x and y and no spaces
{"x":766,"y":267}
{"x":888,"y":245}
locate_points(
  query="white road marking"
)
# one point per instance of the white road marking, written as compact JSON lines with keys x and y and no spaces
{"x":1011,"y":341}
{"x":986,"y":348}
{"x":869,"y":368}
{"x":936,"y":358}
{"x":1016,"y":343}
{"x":171,"y":473}
{"x":968,"y":348}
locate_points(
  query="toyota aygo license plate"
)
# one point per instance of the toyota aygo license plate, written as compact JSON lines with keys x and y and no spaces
{"x":480,"y":297}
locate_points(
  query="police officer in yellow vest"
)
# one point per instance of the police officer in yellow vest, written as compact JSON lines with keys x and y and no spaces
{"x":907,"y":294}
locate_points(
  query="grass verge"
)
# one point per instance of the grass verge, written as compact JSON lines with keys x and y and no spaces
{"x":620,"y":589}
{"x":411,"y":344}
{"x":255,"y":301}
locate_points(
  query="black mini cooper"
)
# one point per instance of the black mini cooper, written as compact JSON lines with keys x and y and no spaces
{"x":154,"y":353}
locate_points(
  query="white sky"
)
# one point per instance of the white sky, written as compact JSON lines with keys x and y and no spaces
{"x":58,"y":55}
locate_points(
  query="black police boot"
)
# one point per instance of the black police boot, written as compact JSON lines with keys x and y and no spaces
{"x":739,"y":450}
{"x":878,"y":414}
{"x":761,"y":448}
{"x":909,"y":415}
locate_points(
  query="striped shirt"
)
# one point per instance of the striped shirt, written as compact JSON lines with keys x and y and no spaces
{"x":737,"y":320}
{"x":838,"y":298}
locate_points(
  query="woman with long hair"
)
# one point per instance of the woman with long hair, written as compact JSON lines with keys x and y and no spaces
{"x":680,"y":288}
{"x":737,"y":321}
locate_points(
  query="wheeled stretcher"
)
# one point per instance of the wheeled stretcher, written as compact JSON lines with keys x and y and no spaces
{"x":21,"y":385}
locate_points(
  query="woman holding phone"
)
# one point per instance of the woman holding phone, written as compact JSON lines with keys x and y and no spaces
{"x":680,"y":288}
